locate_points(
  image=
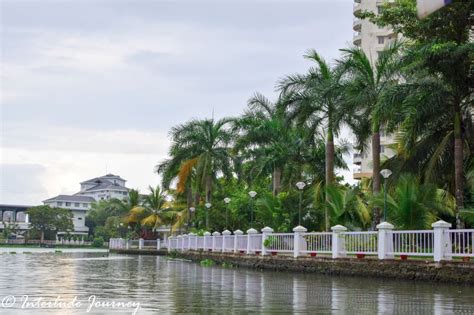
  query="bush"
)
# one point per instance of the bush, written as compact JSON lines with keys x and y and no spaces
{"x":98,"y":242}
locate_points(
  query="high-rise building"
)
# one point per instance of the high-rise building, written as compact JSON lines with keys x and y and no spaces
{"x":372,"y":39}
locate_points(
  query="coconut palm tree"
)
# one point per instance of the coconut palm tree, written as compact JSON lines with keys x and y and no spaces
{"x":368,"y":80}
{"x":154,"y":212}
{"x":199,"y":150}
{"x":347,"y":207}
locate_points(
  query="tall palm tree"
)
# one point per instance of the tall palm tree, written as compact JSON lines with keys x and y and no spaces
{"x":199,"y":149}
{"x":368,"y":80}
{"x":317,"y":103}
{"x":267,"y":137}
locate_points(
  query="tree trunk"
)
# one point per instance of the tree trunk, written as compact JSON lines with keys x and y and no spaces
{"x":276,"y":181}
{"x":376,"y":173}
{"x":189,"y":204}
{"x":208,"y":197}
{"x":458,"y":166}
{"x":329,"y":161}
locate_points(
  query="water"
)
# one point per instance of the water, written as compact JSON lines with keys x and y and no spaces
{"x":161,"y":285}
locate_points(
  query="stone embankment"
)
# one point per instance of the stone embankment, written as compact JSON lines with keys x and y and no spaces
{"x":415,"y":269}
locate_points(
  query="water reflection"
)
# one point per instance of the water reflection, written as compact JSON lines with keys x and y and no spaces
{"x":164,"y":285}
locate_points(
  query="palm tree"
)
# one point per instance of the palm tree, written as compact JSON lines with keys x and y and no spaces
{"x":347,"y":207}
{"x":414,"y":206}
{"x":317,"y":103}
{"x":267,"y":137}
{"x":199,"y":150}
{"x":367,"y":82}
{"x":154,"y":212}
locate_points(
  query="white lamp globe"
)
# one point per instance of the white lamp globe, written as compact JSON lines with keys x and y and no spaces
{"x":300,"y":185}
{"x":252,"y":194}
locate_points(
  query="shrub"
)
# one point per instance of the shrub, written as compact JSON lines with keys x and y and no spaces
{"x":98,"y":242}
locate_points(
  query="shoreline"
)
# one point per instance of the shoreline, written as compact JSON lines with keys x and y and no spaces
{"x":455,"y":272}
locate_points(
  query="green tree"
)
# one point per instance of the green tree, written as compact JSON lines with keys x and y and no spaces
{"x":46,"y":218}
{"x":368,"y":81}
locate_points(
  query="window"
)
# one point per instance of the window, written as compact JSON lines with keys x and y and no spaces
{"x":68,"y":204}
{"x":379,"y":10}
{"x":379,"y":53}
{"x":84,"y":205}
{"x":79,"y":218}
{"x":381,"y":39}
{"x":59,"y":203}
{"x":382,"y":149}
{"x":77,"y":204}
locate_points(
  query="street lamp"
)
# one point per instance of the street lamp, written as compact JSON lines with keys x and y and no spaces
{"x":385,"y":174}
{"x":301,"y":186}
{"x":226,"y":200}
{"x":191,"y":211}
{"x":208,"y":205}
{"x":252,"y":195}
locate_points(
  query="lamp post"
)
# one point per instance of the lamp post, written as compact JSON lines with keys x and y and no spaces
{"x":385,"y":174}
{"x":191,"y":211}
{"x":252,"y":195}
{"x":208,"y":205}
{"x":226,"y":200}
{"x":301,"y":186}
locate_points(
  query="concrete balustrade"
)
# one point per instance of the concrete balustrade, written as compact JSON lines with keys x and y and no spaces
{"x":440,"y":244}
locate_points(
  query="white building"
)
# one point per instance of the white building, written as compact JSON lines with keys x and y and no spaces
{"x":92,"y":190}
{"x":372,"y":39}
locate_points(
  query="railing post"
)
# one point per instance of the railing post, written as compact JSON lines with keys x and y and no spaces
{"x":111,"y":243}
{"x":385,"y":240}
{"x":158,"y":244}
{"x":338,"y":241}
{"x":298,"y":239}
{"x":127,"y":244}
{"x":442,"y":243}
{"x":250,"y":232}
{"x":225,"y":235}
{"x":121,"y":243}
{"x":170,"y":241}
{"x":214,"y":240}
{"x":190,"y":238}
{"x":265,"y":232}
{"x":207,"y":235}
{"x":141,"y":242}
{"x":237,"y":233}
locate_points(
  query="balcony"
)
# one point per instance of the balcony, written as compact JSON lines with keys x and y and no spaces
{"x":357,"y":39}
{"x":357,"y":25}
{"x":357,"y":8}
{"x":357,"y":158}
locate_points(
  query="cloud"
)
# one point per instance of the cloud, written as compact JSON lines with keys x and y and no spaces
{"x":22,"y":183}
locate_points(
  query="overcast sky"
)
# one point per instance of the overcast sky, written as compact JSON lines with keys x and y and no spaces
{"x":94,"y":86}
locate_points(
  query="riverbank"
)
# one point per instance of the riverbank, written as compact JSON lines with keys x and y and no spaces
{"x":418,"y":270}
{"x":42,"y":250}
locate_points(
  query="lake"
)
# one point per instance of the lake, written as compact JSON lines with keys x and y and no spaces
{"x":31,"y":283}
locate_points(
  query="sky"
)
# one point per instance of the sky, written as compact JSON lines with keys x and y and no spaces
{"x":91,"y":86}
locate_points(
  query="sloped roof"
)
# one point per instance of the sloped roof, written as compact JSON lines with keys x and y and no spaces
{"x":103,"y":178}
{"x":107,"y":185}
{"x":74,"y":198}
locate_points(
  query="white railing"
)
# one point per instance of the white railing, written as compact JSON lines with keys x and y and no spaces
{"x":461,"y":243}
{"x":415,"y":243}
{"x":281,"y":242}
{"x":317,"y":243}
{"x":441,"y":243}
{"x":361,"y":242}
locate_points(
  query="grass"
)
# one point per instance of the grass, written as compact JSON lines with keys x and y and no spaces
{"x":207,"y":263}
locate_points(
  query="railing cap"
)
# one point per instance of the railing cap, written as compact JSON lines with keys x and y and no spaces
{"x":300,"y":228}
{"x":207,"y":234}
{"x":226,"y":232}
{"x":338,"y":228}
{"x":179,"y":236}
{"x":267,"y":229}
{"x":385,"y":226}
{"x":441,"y":224}
{"x":252,"y":231}
{"x":216,"y":233}
{"x":238,"y":232}
{"x":191,"y":234}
